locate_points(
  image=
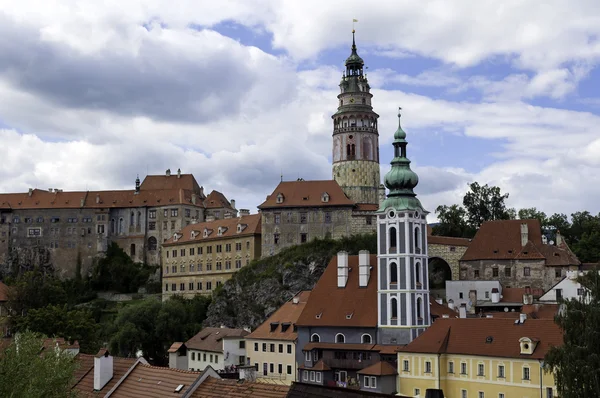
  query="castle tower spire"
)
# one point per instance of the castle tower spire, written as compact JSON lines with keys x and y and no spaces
{"x":355,"y":137}
{"x":403,"y":295}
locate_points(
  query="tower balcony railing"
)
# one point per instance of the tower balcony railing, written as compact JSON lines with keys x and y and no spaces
{"x":349,"y":129}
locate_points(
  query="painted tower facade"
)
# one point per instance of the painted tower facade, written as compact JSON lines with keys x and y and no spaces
{"x":403,"y":285}
{"x":355,"y":138}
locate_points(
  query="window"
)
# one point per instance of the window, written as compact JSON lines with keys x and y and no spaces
{"x":481,"y":394}
{"x":463,"y":368}
{"x":303,"y":238}
{"x":204,"y":357}
{"x":208,"y":285}
{"x":480,"y":369}
{"x":317,"y":378}
{"x":367,"y":383}
{"x":191,"y":285}
{"x":182,"y":252}
{"x":264,"y":347}
{"x":238,"y":247}
{"x":307,"y":356}
{"x":152,"y":225}
{"x":199,"y":285}
{"x":281,"y":349}
{"x":173,"y":286}
{"x":219,"y":266}
{"x":228,"y":247}
{"x":152,"y":214}
{"x":549,"y":392}
{"x":289,"y":348}
{"x":394,"y":305}
{"x":132,"y":250}
{"x":191,"y":267}
{"x":174,"y":269}
{"x":276,"y":239}
{"x":463,"y":393}
{"x":182,"y":267}
{"x":405,"y":366}
{"x":166,"y":287}
{"x":526,"y":271}
{"x":340,"y":338}
{"x":507,"y":271}
{"x":427,"y":367}
{"x":526,"y":375}
{"x":393,"y":275}
{"x":393,"y":239}
{"x":495,"y":271}
{"x":417,"y":391}
{"x":487,"y":295}
{"x":305,"y":375}
{"x":256,"y":347}
{"x":242,"y":344}
{"x":558,"y":272}
{"x":450,"y":367}
{"x":191,"y":251}
{"x":500,"y":395}
{"x":271,"y":347}
{"x":476,"y":273}
{"x":581,"y":292}
{"x":501,"y":371}
{"x":312,"y":375}
{"x":219,"y":248}
{"x":174,"y":212}
{"x":280,"y":368}
{"x":460,"y":295}
{"x":238,"y":263}
{"x":327,"y":217}
{"x":182,"y":286}
{"x":366,"y":339}
{"x":419,"y":308}
{"x":277,"y":218}
{"x":208,"y":249}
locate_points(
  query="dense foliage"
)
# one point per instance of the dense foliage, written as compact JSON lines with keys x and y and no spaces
{"x":28,"y":372}
{"x":576,"y":364}
{"x":258,"y":289}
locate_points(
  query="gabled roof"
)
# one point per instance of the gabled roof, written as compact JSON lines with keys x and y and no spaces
{"x":211,"y":339}
{"x":334,"y":304}
{"x":471,"y":336}
{"x":154,"y":382}
{"x":380,"y":368}
{"x":84,"y":375}
{"x":307,"y":194}
{"x":305,"y":390}
{"x":216,"y":200}
{"x":250,"y":226}
{"x":438,"y":310}
{"x":501,"y":240}
{"x":225,"y":388}
{"x":280,"y":325}
{"x":173,"y":181}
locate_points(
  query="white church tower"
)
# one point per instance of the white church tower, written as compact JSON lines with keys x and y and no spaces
{"x":403,"y":283}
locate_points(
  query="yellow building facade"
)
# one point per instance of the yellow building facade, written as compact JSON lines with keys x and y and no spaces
{"x":480,"y":358}
{"x":201,"y":257}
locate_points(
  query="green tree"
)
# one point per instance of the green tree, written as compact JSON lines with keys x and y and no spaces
{"x":559,"y":222}
{"x":36,"y":289}
{"x":117,"y":271}
{"x":576,"y":364}
{"x":28,"y":372}
{"x":453,"y":222}
{"x":533,"y":213}
{"x":485,"y":203}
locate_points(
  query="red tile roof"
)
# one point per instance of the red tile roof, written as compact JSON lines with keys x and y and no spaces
{"x":156,"y":182}
{"x":251,"y":223}
{"x":334,"y":304}
{"x":367,"y":207}
{"x":501,"y":240}
{"x":515,"y":294}
{"x":224,"y":388}
{"x":84,"y":376}
{"x":216,"y":200}
{"x":448,"y":241}
{"x":307,"y":194}
{"x":285,"y":317}
{"x":211,"y":339}
{"x":439,"y":310}
{"x":154,"y":382}
{"x":320,"y":365}
{"x":470,"y":336}
{"x":381,"y":368}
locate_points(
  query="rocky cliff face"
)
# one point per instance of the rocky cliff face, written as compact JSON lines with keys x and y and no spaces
{"x":260,"y":288}
{"x":23,"y":259}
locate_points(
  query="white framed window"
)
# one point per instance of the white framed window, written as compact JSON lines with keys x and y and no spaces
{"x":366,"y":338}
{"x":526,"y":375}
{"x":480,"y":369}
{"x":451,"y":367}
{"x":307,"y":356}
{"x":501,"y":395}
{"x":373,"y":382}
{"x":417,"y":391}
{"x":405,"y":366}
{"x":501,"y":371}
{"x":427,"y":367}
{"x":305,"y":375}
{"x":315,"y":338}
{"x":312,"y":375}
{"x":463,"y":393}
{"x":340,"y":338}
{"x":318,"y":377}
{"x":481,"y":394}
{"x":366,"y":383}
{"x":463,"y":368}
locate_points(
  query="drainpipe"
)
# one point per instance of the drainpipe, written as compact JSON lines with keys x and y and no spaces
{"x":541,"y":382}
{"x":438,"y":372}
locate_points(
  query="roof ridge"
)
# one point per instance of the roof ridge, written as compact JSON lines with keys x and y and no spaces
{"x":169,"y":369}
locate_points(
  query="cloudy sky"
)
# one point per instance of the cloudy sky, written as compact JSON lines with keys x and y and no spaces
{"x":238,"y":92}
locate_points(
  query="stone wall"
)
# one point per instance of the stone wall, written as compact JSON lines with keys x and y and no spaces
{"x":450,"y":254}
{"x":359,"y":179}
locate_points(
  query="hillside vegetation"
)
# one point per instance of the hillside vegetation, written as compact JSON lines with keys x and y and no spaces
{"x":257,"y":290}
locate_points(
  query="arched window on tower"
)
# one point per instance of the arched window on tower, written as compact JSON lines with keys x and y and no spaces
{"x":139,"y":218}
{"x":419,"y":308}
{"x":112,"y":226}
{"x":121,"y":227}
{"x":132,"y":218}
{"x":417,"y":241}
{"x":393,"y":275}
{"x":348,"y":151}
{"x":393,"y":240}
{"x":152,"y":243}
{"x":418,"y":273}
{"x":394,"y":308}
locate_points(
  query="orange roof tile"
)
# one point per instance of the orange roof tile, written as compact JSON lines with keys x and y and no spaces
{"x":501,"y":240}
{"x":221,"y":388}
{"x":85,"y":382}
{"x":448,"y":241}
{"x":228,"y":227}
{"x":387,"y":349}
{"x":469,"y":336}
{"x":515,"y":294}
{"x":216,"y":200}
{"x":438,"y":310}
{"x":156,"y":182}
{"x":307,"y":194}
{"x":211,"y":339}
{"x":381,"y":368}
{"x":154,"y":382}
{"x":175,"y":346}
{"x":284,"y":318}
{"x":367,"y":207}
{"x":334,"y":304}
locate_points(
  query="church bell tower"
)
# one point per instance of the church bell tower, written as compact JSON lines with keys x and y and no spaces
{"x":355,"y":137}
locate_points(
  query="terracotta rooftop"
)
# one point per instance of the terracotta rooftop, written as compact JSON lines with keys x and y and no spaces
{"x":280,"y":325}
{"x":175,"y":346}
{"x":156,"y":182}
{"x":501,"y":240}
{"x":3,"y":292}
{"x":438,"y":310}
{"x":222,"y":388}
{"x":211,"y":339}
{"x":304,"y":390}
{"x":155,"y":382}
{"x":307,"y":194}
{"x":84,"y":375}
{"x":229,"y":229}
{"x":515,"y":294}
{"x":216,"y":200}
{"x":487,"y":337}
{"x":320,"y":365}
{"x":448,"y":241}
{"x":367,"y":207}
{"x":349,"y":306}
{"x":381,"y":368}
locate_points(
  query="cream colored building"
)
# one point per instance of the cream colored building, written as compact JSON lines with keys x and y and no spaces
{"x":480,"y":358}
{"x":202,"y":256}
{"x":271,"y":348}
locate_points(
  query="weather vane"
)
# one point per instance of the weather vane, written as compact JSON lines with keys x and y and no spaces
{"x":354,"y":20}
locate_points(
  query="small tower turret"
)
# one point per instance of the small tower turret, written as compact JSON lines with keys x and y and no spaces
{"x":137,"y":184}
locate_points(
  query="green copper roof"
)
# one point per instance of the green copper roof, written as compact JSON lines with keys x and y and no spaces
{"x":354,"y":58}
{"x":401,"y":180}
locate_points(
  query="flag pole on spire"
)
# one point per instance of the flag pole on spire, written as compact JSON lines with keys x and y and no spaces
{"x":354,"y":20}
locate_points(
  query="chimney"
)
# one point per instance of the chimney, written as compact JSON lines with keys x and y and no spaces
{"x":522,"y":318}
{"x":210,"y":218}
{"x":178,"y":173}
{"x":244,"y":212}
{"x":559,"y":238}
{"x":232,"y":201}
{"x":201,"y":191}
{"x":168,"y":173}
{"x":295,"y":300}
{"x":462,"y":311}
{"x":544,"y":240}
{"x":451,"y":304}
{"x":194,"y":198}
{"x":524,"y":234}
{"x":342,"y":268}
{"x":81,"y":202}
{"x":527,"y":296}
{"x":473,"y":300}
{"x":495,"y":295}
{"x":97,"y":198}
{"x":103,"y":369}
{"x":364,"y":268}
{"x":440,"y":301}
{"x":137,"y":185}
{"x":30,"y":191}
{"x":194,"y":220}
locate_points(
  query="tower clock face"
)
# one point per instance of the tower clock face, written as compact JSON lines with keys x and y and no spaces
{"x":351,"y":100}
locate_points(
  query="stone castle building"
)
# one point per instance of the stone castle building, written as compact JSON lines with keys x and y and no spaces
{"x":298,"y":211}
{"x":58,"y":229}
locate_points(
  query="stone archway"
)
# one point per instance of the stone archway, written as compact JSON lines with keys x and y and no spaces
{"x":449,"y":250}
{"x":439,"y":272}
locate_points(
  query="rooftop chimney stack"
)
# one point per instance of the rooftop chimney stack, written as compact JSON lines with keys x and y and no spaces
{"x":451,"y":304}
{"x":462,"y":311}
{"x":137,"y":185}
{"x":168,"y":173}
{"x":97,"y":198}
{"x":103,"y":369}
{"x":364,"y":268}
{"x":342,"y":268}
{"x":522,"y":318}
{"x":244,"y":212}
{"x":559,"y":238}
{"x":30,"y":192}
{"x":524,"y":234}
{"x":495,"y":295}
{"x":178,"y":173}
{"x":232,"y":201}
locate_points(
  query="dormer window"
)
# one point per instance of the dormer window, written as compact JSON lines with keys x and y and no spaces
{"x":221,"y":230}
{"x":325,"y":197}
{"x":527,"y":345}
{"x":207,"y":232}
{"x":280,"y":198}
{"x":241,"y":227}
